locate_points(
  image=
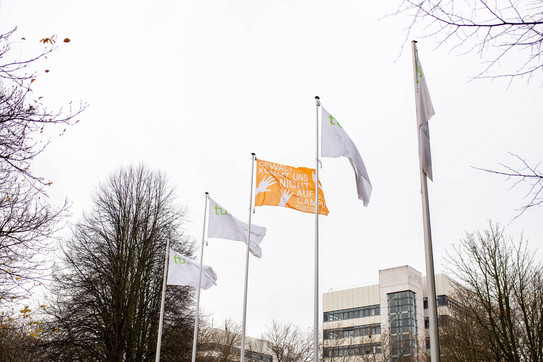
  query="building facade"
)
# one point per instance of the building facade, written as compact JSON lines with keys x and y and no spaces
{"x":385,"y":321}
{"x":223,"y":345}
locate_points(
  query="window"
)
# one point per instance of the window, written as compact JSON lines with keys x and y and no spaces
{"x":354,"y":350}
{"x":442,"y":301}
{"x":352,"y":313}
{"x":358,"y":331}
{"x":402,"y":323}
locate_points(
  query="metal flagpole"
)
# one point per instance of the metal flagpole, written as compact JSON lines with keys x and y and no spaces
{"x":195,"y":338}
{"x":161,"y":319}
{"x":316,"y":271}
{"x":430,"y":277}
{"x":244,"y":317}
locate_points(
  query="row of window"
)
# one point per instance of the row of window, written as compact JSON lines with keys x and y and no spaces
{"x":442,"y":320}
{"x":351,"y":332}
{"x":397,"y":300}
{"x":401,"y":349}
{"x":442,"y":301}
{"x":401,"y":323}
{"x":402,"y":330}
{"x":401,"y":337}
{"x":361,"y":312}
{"x":402,"y":308}
{"x":354,"y":350}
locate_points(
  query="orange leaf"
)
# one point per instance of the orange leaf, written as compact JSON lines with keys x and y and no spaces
{"x":67,"y":40}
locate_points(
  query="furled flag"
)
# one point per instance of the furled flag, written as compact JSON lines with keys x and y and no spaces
{"x":185,"y":271}
{"x":425,"y":111}
{"x":224,"y":225}
{"x":286,"y":186}
{"x":335,"y":142}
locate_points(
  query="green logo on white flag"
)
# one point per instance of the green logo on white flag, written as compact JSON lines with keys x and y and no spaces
{"x":332,"y":120}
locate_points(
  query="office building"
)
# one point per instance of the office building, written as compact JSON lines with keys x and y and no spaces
{"x":388,"y":320}
{"x":224,"y":345}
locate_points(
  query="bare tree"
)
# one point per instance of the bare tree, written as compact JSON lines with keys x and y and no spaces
{"x":27,"y":220}
{"x":108,"y":286}
{"x":220,"y":345}
{"x":499,"y":31}
{"x":499,"y":311}
{"x":289,"y":343}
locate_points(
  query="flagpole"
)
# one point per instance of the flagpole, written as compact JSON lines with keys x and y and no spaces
{"x":316,"y":263}
{"x":195,"y":337}
{"x":430,"y":276}
{"x":244,"y":317}
{"x":161,"y":318}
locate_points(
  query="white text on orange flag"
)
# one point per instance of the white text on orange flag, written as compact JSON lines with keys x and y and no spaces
{"x":286,"y":186}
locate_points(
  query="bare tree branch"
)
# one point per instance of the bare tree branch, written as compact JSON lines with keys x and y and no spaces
{"x":523,"y":174}
{"x":497,"y":30}
{"x":28,"y":222}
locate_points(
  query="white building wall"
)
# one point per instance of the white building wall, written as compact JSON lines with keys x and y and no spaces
{"x":444,"y":285}
{"x":350,"y":298}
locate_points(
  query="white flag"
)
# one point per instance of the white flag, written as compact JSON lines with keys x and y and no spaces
{"x":426,"y":111}
{"x":224,"y":225}
{"x":185,"y":271}
{"x":335,"y":142}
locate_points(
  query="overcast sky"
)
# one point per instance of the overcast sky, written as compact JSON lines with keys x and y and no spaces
{"x":193,"y":87}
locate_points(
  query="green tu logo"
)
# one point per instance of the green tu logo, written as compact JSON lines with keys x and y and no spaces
{"x":219,"y":210}
{"x":332,"y":120}
{"x":181,"y":260}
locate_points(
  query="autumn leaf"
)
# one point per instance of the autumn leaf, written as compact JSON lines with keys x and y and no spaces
{"x":47,"y":40}
{"x":67,"y":40}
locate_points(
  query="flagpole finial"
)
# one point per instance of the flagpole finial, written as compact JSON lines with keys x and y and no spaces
{"x":317,"y":97}
{"x":207,"y":193}
{"x":413,"y":41}
{"x":317,"y":100}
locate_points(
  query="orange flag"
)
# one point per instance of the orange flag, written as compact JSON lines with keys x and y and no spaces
{"x":293,"y":187}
